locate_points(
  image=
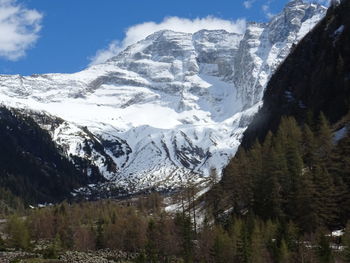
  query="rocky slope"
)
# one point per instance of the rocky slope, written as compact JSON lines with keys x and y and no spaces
{"x":31,"y":165}
{"x":167,"y":109}
{"x":315,"y":77}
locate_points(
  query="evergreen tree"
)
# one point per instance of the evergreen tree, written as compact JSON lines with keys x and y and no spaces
{"x":275,"y":171}
{"x":52,"y":251}
{"x":324,"y":250}
{"x":289,"y":132}
{"x":324,"y":139}
{"x":100,"y":234}
{"x":267,"y":189}
{"x":289,"y":140}
{"x":18,"y":232}
{"x":346,"y":243}
{"x":258,"y":247}
{"x":281,"y":171}
{"x":235,"y":230}
{"x":284,"y":253}
{"x":268,"y":200}
{"x":151,"y":246}
{"x":239,"y":183}
{"x":309,"y":147}
{"x":2,"y":244}
{"x":244,"y":246}
{"x":292,"y":236}
{"x":186,"y":228}
{"x":255,"y":156}
{"x":222,"y":249}
{"x":324,"y":197}
{"x":339,"y":168}
{"x":306,"y":207}
{"x":269,"y":232}
{"x":295,"y":166}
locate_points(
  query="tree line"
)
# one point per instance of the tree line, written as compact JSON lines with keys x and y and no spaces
{"x":277,"y":202}
{"x":299,"y":174}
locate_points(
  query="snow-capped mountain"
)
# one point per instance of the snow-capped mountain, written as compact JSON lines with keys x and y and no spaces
{"x":167,"y":109}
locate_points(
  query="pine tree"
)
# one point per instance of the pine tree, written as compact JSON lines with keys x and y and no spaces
{"x":100,"y":234}
{"x":324,"y":197}
{"x":324,"y":250}
{"x":306,"y":207}
{"x":238,"y":182}
{"x":258,"y":247}
{"x":2,"y":244}
{"x":269,"y":231}
{"x":222,"y":249}
{"x":346,"y":243}
{"x":243,"y":246}
{"x":52,"y":251}
{"x":288,"y":142}
{"x":267,"y":188}
{"x":324,"y":139}
{"x":284,"y":253}
{"x":292,"y":236}
{"x":206,"y":242}
{"x":268,"y":200}
{"x":310,"y":120}
{"x":289,"y":132}
{"x":282,"y":174}
{"x":186,"y":229}
{"x":151,"y":246}
{"x":276,"y":172}
{"x":18,"y":232}
{"x":309,"y":147}
{"x":295,"y":167}
{"x":255,"y":156}
{"x":235,"y":230}
{"x":339,"y":168}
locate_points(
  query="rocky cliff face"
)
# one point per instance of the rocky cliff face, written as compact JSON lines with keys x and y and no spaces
{"x":315,"y":77}
{"x":31,"y":165}
{"x":167,"y":109}
{"x":265,"y":46}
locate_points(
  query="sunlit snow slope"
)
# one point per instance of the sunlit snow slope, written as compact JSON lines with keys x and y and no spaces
{"x":168,"y":108}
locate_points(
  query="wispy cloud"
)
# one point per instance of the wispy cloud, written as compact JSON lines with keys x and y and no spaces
{"x":138,"y":32}
{"x":248,"y":3}
{"x":19,"y":29}
{"x":267,"y":9}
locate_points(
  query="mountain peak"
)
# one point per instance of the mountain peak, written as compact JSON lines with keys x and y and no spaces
{"x":165,"y":33}
{"x":171,"y":105}
{"x":295,"y":3}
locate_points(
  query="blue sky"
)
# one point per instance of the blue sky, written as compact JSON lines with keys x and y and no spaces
{"x":65,"y":35}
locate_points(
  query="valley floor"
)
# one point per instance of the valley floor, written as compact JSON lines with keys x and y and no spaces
{"x":102,"y":256}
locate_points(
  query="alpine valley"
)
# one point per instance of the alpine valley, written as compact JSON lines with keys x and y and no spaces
{"x":164,"y":112}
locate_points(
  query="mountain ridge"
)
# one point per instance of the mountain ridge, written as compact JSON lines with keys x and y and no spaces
{"x":325,"y":90}
{"x":169,"y":108}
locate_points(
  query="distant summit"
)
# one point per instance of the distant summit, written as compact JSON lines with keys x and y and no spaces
{"x":167,"y":109}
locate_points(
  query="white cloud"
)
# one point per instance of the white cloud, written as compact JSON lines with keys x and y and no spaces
{"x":248,"y":3}
{"x":138,"y":32}
{"x":266,"y":9}
{"x":104,"y":54}
{"x":19,"y":29}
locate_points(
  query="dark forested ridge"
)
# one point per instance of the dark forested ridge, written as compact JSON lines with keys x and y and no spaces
{"x":31,"y":165}
{"x":292,"y":164}
{"x":315,"y":77}
{"x":299,"y":174}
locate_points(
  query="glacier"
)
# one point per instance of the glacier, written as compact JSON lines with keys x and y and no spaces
{"x":167,"y":110}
